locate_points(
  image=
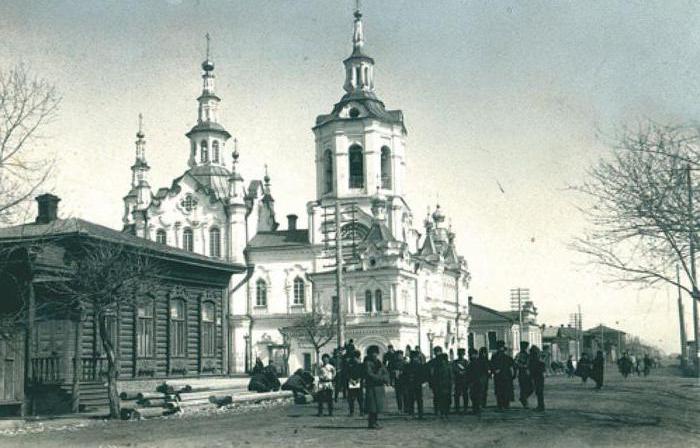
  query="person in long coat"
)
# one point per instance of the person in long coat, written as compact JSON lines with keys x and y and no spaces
{"x":414,"y":375}
{"x":522,"y":369}
{"x":503,"y":376}
{"x":441,"y":379}
{"x":484,"y":356}
{"x":461,"y":390}
{"x":356,"y":373}
{"x":477,"y":377}
{"x":598,"y":369}
{"x":376,"y":377}
{"x":537,"y":369}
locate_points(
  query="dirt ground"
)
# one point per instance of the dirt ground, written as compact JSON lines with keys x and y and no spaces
{"x":662,"y":410}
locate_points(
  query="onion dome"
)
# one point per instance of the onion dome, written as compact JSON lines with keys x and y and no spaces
{"x":438,"y":215}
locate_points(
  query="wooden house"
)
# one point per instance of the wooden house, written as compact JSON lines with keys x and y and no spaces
{"x":53,"y":356}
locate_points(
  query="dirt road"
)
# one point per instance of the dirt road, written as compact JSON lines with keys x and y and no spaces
{"x":660,"y":411}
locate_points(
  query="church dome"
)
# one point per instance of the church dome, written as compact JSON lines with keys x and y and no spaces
{"x":438,"y":215}
{"x":208,"y":65}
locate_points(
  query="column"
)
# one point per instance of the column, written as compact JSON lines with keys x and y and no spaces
{"x":392,"y":295}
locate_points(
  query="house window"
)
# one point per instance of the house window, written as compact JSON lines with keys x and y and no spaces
{"x":204,"y":152}
{"x":357,"y":167}
{"x":161,"y":236}
{"x":492,"y":340}
{"x":215,"y":151}
{"x":328,"y":171}
{"x":386,"y":167}
{"x":208,"y":336}
{"x":188,"y":240}
{"x":378,"y":300}
{"x":215,"y":242}
{"x":178,"y":335}
{"x":299,"y":291}
{"x":145,"y":329}
{"x":260,"y":293}
{"x":368,"y":301}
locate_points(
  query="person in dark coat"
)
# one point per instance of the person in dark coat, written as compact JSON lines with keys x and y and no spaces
{"x":647,"y":365}
{"x":441,"y":379}
{"x":258,"y":368}
{"x":421,"y":356}
{"x":484,"y":356}
{"x":459,"y":373}
{"x":356,"y":373}
{"x":598,"y":369}
{"x":537,"y":369}
{"x":430,"y":366}
{"x":522,"y":370}
{"x":503,"y":376}
{"x":300,"y":385}
{"x":376,"y":377}
{"x":570,"y":366}
{"x":476,"y":372}
{"x":389,"y":360}
{"x":413,"y":376}
{"x":399,"y":390}
{"x":272,"y":376}
{"x":583,"y":369}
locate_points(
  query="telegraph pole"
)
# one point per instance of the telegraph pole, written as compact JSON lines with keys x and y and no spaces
{"x":681,"y":321}
{"x":339,"y":277}
{"x":691,"y":248}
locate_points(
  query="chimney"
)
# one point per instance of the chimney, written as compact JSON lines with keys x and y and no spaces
{"x":292,"y":222}
{"x":48,"y":208}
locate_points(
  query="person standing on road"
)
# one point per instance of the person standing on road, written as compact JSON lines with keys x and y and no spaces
{"x":570,"y":369}
{"x":477,"y":379}
{"x":583,"y":369}
{"x":437,"y":351}
{"x":522,"y":369}
{"x":647,"y":364}
{"x":459,"y":372}
{"x":376,"y":377}
{"x":484,"y":357}
{"x":356,"y":373}
{"x":389,"y":360}
{"x":442,"y":384}
{"x":413,"y":376}
{"x":598,"y":369}
{"x":503,"y":376}
{"x":399,"y":388}
{"x":326,"y":376}
{"x":537,"y":369}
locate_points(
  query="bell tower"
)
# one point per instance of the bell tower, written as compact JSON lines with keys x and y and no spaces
{"x":360,"y":144}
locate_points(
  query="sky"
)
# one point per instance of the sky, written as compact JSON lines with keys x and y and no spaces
{"x":521,"y":94}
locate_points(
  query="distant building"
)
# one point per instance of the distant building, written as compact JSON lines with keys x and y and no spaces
{"x":610,"y":340}
{"x":488,"y":325}
{"x":561,"y":342}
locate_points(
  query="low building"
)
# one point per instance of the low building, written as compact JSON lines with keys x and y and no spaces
{"x":178,"y":330}
{"x":610,"y":340}
{"x":488,"y":326}
{"x":561,"y":342}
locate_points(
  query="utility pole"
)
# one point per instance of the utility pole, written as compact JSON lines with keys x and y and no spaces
{"x":691,"y":248}
{"x":681,"y":322}
{"x":339,"y":277}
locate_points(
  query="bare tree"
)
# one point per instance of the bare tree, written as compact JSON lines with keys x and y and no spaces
{"x":316,"y":328}
{"x":27,"y":104}
{"x":642,"y":215}
{"x":104,"y":276}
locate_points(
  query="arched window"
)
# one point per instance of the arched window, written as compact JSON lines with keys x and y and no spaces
{"x":215,"y":151}
{"x":378,"y":300}
{"x":357,"y":167}
{"x":386,"y":167}
{"x":354,"y":231}
{"x":188,"y":240}
{"x":260,"y":293}
{"x":215,"y":242}
{"x":208,"y":336}
{"x":161,"y":236}
{"x":204,"y":152}
{"x":145,"y":329}
{"x":299,"y":291}
{"x":368,"y":301}
{"x":178,"y":333}
{"x":327,"y":171}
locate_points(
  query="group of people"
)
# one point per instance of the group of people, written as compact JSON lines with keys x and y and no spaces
{"x":462,"y":382}
{"x":588,"y":368}
{"x":629,"y":364}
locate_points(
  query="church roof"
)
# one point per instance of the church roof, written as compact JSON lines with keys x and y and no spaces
{"x":379,"y":233}
{"x":213,"y":178}
{"x":280,"y":238}
{"x":375,"y":109}
{"x":209,"y":126}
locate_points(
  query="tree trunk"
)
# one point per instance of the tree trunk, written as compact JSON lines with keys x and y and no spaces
{"x":108,"y":346}
{"x":77,"y":364}
{"x":318,"y":360}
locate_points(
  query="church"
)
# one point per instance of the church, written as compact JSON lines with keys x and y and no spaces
{"x":404,"y":282}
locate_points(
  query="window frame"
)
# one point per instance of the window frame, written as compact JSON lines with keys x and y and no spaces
{"x":145,"y":324}
{"x":207,"y":336}
{"x":368,"y":301}
{"x":215,"y":243}
{"x":203,"y":151}
{"x":386,"y":177}
{"x":378,"y":300}
{"x":188,"y":236}
{"x":327,"y":171}
{"x":215,"y":151}
{"x":161,"y":233}
{"x":178,"y":330}
{"x":299,"y":291}
{"x":261,"y":289}
{"x":356,"y":167}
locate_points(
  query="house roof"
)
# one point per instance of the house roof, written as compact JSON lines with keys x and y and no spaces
{"x":597,"y":330}
{"x":481,"y":313}
{"x":280,"y":238}
{"x":79,"y":227}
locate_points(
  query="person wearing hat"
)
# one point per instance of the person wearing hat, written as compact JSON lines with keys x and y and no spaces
{"x":522,"y":370}
{"x":477,"y":379}
{"x":537,"y":369}
{"x":414,"y":375}
{"x":459,"y":372}
{"x":503,"y":376}
{"x":376,"y":377}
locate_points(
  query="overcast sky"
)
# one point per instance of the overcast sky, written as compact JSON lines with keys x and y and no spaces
{"x":516,"y":93}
